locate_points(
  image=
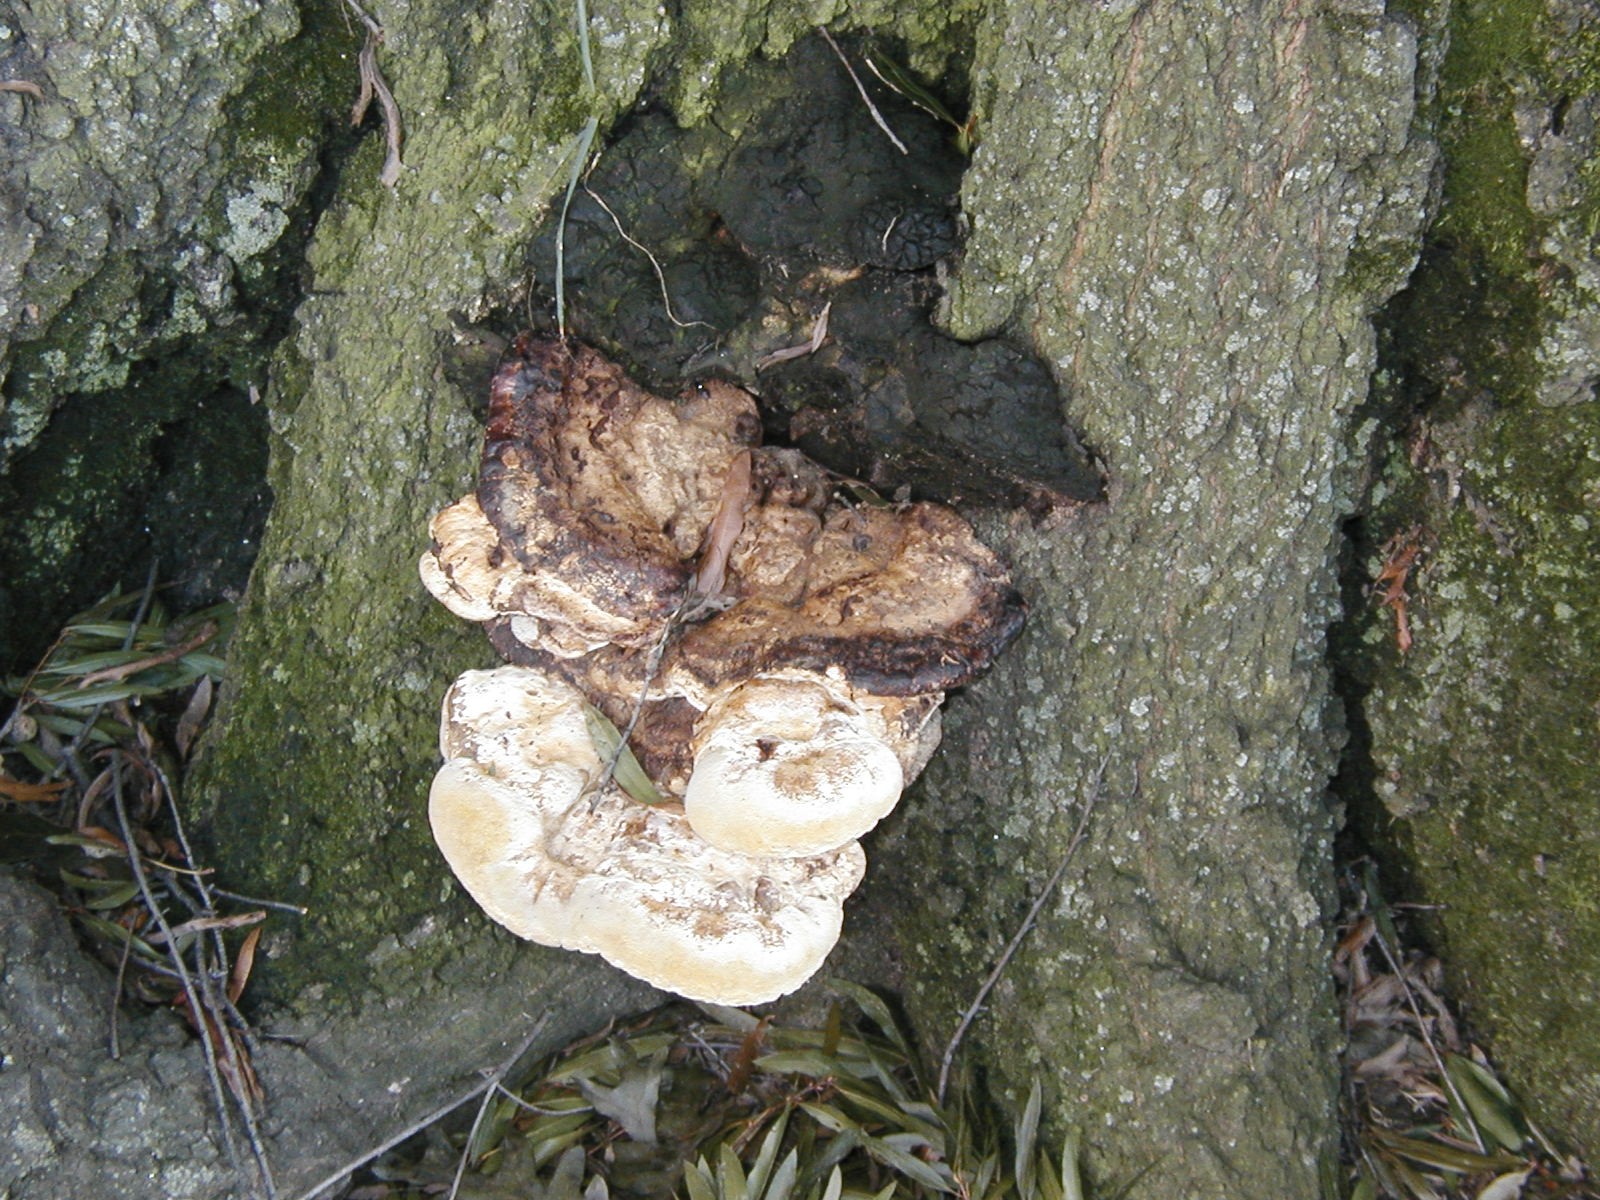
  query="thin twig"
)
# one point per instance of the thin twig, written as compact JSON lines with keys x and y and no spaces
{"x":661,"y":278}
{"x":438,"y":1114}
{"x":218,"y":1096}
{"x":282,"y":905}
{"x":976,"y":1006}
{"x":866,"y":99}
{"x":220,"y":1007}
{"x":372,"y":25}
{"x":116,"y":998}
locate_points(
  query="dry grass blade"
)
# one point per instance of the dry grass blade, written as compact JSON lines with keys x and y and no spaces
{"x":872,"y":108}
{"x":819,"y":334}
{"x":655,"y":265}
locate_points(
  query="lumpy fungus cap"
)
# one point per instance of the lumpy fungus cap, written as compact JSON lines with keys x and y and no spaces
{"x":515,"y":813}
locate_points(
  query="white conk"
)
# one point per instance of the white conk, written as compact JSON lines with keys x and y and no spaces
{"x":788,"y":766}
{"x":515,"y":813}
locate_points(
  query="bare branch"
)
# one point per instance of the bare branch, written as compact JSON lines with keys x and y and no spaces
{"x":489,"y":1084}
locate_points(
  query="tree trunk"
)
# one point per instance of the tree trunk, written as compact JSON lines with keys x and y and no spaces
{"x":1189,"y":212}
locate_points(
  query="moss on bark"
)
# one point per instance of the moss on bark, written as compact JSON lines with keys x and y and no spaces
{"x":1482,"y":738}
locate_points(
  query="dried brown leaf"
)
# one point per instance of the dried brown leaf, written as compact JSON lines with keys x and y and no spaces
{"x":26,"y":86}
{"x":372,"y":84}
{"x":22,"y":792}
{"x":744,"y":1060}
{"x":194,"y":717}
{"x":725,"y":527}
{"x":242,"y":963}
{"x":819,"y":334}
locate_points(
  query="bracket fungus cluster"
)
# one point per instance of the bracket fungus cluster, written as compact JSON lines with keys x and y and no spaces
{"x":774,"y":652}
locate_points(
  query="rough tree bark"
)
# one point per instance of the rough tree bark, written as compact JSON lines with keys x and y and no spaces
{"x":1191,"y":220}
{"x":1190,"y":211}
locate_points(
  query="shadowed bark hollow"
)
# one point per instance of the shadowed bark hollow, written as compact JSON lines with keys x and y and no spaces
{"x":1189,"y":212}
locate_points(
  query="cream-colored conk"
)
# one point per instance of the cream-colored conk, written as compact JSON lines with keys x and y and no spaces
{"x":514,"y":811}
{"x":787,"y":765}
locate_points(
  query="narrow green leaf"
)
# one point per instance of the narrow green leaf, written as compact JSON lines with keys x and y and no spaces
{"x":810,"y":1063}
{"x":983,"y":1175}
{"x":731,"y":1183}
{"x":830,"y":1117}
{"x":886,"y":1075}
{"x":1365,"y":1189}
{"x":698,"y":1182}
{"x":119,"y":935}
{"x":930,"y":1175}
{"x":835,"y":1185}
{"x":1071,"y":1180}
{"x":768,"y":1154}
{"x":37,"y":758}
{"x":1027,"y":1134}
{"x":200,"y":663}
{"x":783,"y":1179}
{"x":580,"y":160}
{"x":567,"y":1181}
{"x":1439,"y":1156}
{"x":114,"y":897}
{"x":629,"y":774}
{"x":558,"y":1125}
{"x":83,"y":665}
{"x":547,"y":1148}
{"x":876,"y":1011}
{"x":1493,"y":1110}
{"x":897,"y":1116}
{"x":491,"y":1130}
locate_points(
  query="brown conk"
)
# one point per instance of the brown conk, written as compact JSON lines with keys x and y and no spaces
{"x":780,"y":651}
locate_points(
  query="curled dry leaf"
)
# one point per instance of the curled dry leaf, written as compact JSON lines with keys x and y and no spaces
{"x":1400,"y":554}
{"x":725,"y":528}
{"x":194,"y":716}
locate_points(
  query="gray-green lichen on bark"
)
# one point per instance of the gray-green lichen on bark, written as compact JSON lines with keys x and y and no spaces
{"x":146,"y":203}
{"x":1191,"y":212}
{"x":1481,"y":741}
